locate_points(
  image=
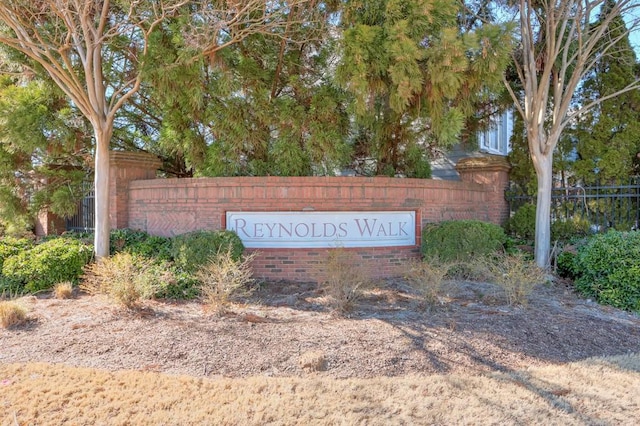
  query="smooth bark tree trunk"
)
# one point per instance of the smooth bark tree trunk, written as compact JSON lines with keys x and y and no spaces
{"x":101,"y":179}
{"x":544,"y":172}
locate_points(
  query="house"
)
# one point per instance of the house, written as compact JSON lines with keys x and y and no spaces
{"x":493,"y":141}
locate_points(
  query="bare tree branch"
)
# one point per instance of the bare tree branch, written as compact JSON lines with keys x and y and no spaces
{"x":562,"y":42}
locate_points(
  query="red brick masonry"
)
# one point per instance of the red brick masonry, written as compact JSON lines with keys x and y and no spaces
{"x":174,"y":206}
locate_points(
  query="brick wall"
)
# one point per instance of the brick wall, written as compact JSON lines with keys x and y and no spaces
{"x":174,"y":206}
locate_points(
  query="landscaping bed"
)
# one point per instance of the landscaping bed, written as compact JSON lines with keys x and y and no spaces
{"x":274,"y":332}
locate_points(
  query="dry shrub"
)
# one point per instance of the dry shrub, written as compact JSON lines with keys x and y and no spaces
{"x":311,"y":361}
{"x":63,"y":290}
{"x":428,"y":277}
{"x":224,"y":278}
{"x":345,"y":280}
{"x":125,"y":278}
{"x":11,"y":313}
{"x":516,"y":275}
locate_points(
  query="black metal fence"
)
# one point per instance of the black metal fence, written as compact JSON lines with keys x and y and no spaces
{"x":83,"y":221}
{"x":604,"y":207}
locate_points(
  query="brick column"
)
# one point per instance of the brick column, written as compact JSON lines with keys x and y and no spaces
{"x":124,"y":168}
{"x":493,"y":172}
{"x":48,"y":223}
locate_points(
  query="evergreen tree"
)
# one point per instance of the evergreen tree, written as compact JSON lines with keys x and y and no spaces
{"x":608,"y":136}
{"x":44,"y":147}
{"x":264,"y":105}
{"x":416,"y":77}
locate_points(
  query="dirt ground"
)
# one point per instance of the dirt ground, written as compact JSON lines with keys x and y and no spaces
{"x":278,"y":329}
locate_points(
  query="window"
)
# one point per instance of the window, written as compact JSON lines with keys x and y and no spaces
{"x":495,"y":140}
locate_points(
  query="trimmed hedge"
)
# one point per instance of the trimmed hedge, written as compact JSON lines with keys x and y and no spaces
{"x":48,"y":263}
{"x":192,"y":250}
{"x":10,"y":246}
{"x":140,"y":243}
{"x":461,"y":240}
{"x":608,"y":269}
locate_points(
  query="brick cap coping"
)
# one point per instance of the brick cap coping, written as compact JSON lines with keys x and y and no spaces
{"x":307,"y":181}
{"x":138,"y":159}
{"x":486,"y":163}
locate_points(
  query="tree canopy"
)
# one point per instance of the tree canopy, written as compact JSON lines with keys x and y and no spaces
{"x":254,"y":88}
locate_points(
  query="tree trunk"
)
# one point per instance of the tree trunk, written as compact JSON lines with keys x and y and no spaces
{"x":544,"y":172}
{"x":102,"y":224}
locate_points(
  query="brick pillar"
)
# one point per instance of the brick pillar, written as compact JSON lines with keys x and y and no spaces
{"x":48,"y":223}
{"x":493,"y":172}
{"x":124,"y":168}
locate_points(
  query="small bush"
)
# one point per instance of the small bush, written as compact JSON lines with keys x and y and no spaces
{"x":63,"y":290}
{"x":516,"y":276}
{"x":10,"y":288}
{"x":48,"y":263}
{"x":609,"y":269}
{"x":566,"y":265}
{"x":523,"y":223}
{"x":10,"y":246}
{"x":569,"y":229}
{"x":427,"y":277}
{"x":183,"y":286}
{"x":344,"y":280}
{"x":312,"y":361}
{"x":140,"y":243}
{"x":11,"y":313}
{"x":223,"y":278}
{"x":126,"y":279}
{"x":461,"y":240}
{"x":192,"y":250}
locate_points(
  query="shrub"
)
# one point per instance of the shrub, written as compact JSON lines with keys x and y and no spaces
{"x":183,"y":285}
{"x":10,"y":246}
{"x":63,"y":290}
{"x":609,"y":269}
{"x":569,"y":229}
{"x":516,"y":276}
{"x":461,"y":240}
{"x":523,"y":223}
{"x":312,"y":361}
{"x":224,"y":277}
{"x":192,"y":250}
{"x":48,"y":263}
{"x":140,"y":243}
{"x":344,"y":280}
{"x":566,"y":265}
{"x":11,"y":313}
{"x":126,"y":278}
{"x":427,"y":277}
{"x":10,"y":288}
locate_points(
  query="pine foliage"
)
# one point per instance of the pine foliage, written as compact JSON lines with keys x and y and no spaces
{"x":416,"y":76}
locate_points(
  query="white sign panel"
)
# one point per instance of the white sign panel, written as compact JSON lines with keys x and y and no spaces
{"x":324,"y":229}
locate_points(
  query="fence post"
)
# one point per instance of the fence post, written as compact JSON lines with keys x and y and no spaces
{"x":492,"y":171}
{"x":127,"y":167}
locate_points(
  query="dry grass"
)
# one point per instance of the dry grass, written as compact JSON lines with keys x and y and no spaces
{"x":428,"y":278}
{"x":11,"y":314}
{"x":223,"y":279}
{"x":63,"y":290}
{"x":311,"y":361}
{"x":124,"y":278}
{"x":594,"y":391}
{"x":515,"y":275}
{"x":345,"y":279}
